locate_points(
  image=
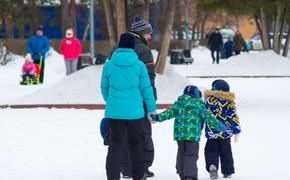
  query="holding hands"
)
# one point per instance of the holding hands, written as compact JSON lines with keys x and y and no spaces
{"x":153,"y":117}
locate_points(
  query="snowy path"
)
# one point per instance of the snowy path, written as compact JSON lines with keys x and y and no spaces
{"x":65,"y":144}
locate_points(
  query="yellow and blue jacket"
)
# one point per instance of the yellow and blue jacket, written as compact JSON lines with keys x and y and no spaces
{"x":223,"y":107}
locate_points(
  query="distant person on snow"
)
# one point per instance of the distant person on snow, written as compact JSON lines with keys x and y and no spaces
{"x":190,"y":116}
{"x":70,"y":48}
{"x":215,"y":42}
{"x":28,"y":71}
{"x":228,"y":47}
{"x":238,"y":43}
{"x":220,"y":101}
{"x":37,"y":45}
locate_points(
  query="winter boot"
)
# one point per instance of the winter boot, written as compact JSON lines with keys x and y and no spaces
{"x":227,"y":175}
{"x":148,"y":173}
{"x":23,"y":82}
{"x":213,"y":172}
{"x":126,"y":176}
{"x":144,"y":177}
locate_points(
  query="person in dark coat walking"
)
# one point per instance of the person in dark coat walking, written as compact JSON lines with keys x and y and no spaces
{"x":125,"y":87}
{"x":37,"y":45}
{"x":215,"y":42}
{"x":142,"y":30}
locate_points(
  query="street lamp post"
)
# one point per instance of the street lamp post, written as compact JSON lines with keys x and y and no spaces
{"x":92,"y":39}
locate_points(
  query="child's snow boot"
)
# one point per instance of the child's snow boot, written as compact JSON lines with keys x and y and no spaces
{"x":23,"y":82}
{"x":213,"y":172}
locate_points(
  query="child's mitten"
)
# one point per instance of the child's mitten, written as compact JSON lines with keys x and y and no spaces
{"x":237,"y":137}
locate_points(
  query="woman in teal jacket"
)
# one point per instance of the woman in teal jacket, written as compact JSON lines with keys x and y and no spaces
{"x":125,"y":85}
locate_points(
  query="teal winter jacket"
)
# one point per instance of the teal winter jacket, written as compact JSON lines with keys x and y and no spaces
{"x":125,"y":85}
{"x":190,"y":115}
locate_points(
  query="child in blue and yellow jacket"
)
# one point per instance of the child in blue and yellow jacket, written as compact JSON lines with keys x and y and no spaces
{"x":190,"y":115}
{"x":220,"y":101}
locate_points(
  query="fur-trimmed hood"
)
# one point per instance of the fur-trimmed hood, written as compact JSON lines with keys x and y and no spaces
{"x":221,"y":94}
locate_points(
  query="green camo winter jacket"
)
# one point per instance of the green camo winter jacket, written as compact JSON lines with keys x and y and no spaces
{"x":190,"y":115}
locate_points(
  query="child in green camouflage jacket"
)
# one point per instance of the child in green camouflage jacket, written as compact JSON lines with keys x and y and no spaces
{"x":190,"y":115}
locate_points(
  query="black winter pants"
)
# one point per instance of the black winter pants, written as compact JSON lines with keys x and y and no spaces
{"x":28,"y":75}
{"x":217,"y":57}
{"x":117,"y":139}
{"x":146,"y":143}
{"x":186,"y":161}
{"x":219,"y":148}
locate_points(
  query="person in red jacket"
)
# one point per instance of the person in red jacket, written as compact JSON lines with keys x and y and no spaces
{"x":70,"y":48}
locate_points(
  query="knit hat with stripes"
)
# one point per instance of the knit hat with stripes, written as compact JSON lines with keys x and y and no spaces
{"x":141,"y":26}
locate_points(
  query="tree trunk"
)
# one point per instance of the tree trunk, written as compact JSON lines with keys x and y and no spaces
{"x":121,"y":18}
{"x":286,"y":46}
{"x":258,"y":24}
{"x":8,"y":26}
{"x":145,"y":10}
{"x":110,"y":22}
{"x":73,"y":15}
{"x":203,"y":25}
{"x":162,"y":56}
{"x":284,"y":22}
{"x":64,"y":16}
{"x":86,"y":31}
{"x":194,"y":26}
{"x":33,"y":23}
{"x":178,"y":20}
{"x":264,"y":28}
{"x":277,"y":29}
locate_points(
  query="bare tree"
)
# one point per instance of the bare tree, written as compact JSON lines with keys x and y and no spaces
{"x":110,"y":21}
{"x":264,"y":28}
{"x":145,"y":9}
{"x":178,"y":22}
{"x":286,"y":46}
{"x":8,"y":25}
{"x":165,"y":42}
{"x":68,"y":15}
{"x":33,"y":21}
{"x":277,"y":29}
{"x":73,"y":15}
{"x":121,"y":17}
{"x":64,"y":15}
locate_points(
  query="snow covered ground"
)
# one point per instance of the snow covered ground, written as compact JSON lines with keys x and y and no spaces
{"x":65,"y":144}
{"x":10,"y":75}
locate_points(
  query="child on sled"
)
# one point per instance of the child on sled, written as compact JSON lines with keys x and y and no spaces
{"x":28,"y":71}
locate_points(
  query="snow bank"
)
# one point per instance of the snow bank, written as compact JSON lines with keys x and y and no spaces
{"x":83,"y":87}
{"x":264,"y":63}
